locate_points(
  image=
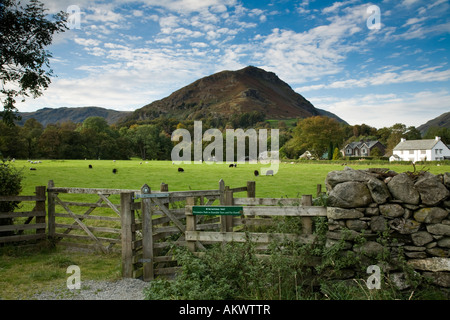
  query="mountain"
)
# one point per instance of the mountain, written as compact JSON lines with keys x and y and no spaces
{"x":228,"y":93}
{"x":77,"y":115}
{"x":443,"y":121}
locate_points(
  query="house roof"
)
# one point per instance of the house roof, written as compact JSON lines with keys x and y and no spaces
{"x":359,"y":144}
{"x":425,"y":144}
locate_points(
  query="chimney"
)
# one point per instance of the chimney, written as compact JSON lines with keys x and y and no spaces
{"x":402,"y":140}
{"x":437,"y":138}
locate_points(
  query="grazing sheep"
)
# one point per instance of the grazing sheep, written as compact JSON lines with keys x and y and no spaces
{"x":114,"y":170}
{"x":256,"y":172}
{"x":180,"y":170}
{"x":33,"y":169}
{"x":269,"y":173}
{"x":90,"y":166}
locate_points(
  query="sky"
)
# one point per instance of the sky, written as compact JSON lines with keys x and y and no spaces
{"x":378,"y":63}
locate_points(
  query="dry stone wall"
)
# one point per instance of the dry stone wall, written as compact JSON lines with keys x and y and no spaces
{"x":412,"y":209}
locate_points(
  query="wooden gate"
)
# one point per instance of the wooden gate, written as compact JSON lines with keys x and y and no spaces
{"x":164,"y":225}
{"x":75,"y":226}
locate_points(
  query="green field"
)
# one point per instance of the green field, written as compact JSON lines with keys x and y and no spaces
{"x":291,"y":180}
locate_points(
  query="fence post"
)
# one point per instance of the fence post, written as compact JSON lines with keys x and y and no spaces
{"x":51,"y":210}
{"x":306,"y":221}
{"x":190,"y":222}
{"x":128,"y":235}
{"x":318,"y":190}
{"x":228,"y":226}
{"x":147,"y":234}
{"x":251,"y":189}
{"x":40,"y":206}
{"x":164,"y":187}
{"x":222,"y":190}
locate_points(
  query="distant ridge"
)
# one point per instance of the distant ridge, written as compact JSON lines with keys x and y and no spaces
{"x":442,"y":121}
{"x":77,"y":115}
{"x":229,"y":93}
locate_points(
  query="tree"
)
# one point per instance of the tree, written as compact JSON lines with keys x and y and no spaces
{"x":376,"y":152}
{"x":31,"y":131}
{"x":315,"y":134}
{"x":50,"y":142}
{"x":398,"y":131}
{"x":337,"y":154}
{"x":24,"y":61}
{"x":442,"y":132}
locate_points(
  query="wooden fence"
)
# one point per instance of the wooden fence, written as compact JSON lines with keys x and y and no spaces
{"x":144,"y":226}
{"x":254,"y":212}
{"x":163,"y":225}
{"x":140,"y":224}
{"x":24,"y":231}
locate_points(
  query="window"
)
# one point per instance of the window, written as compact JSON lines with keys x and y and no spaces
{"x":423,"y":151}
{"x":411,"y":151}
{"x":436,"y":151}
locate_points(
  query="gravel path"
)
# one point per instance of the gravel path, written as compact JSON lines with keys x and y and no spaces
{"x":125,"y":289}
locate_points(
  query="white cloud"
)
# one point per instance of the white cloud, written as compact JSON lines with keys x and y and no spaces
{"x":430,"y":74}
{"x":302,"y":56}
{"x":408,"y":3}
{"x":189,"y":6}
{"x":336,"y":5}
{"x":103,"y":14}
{"x":414,"y":20}
{"x":87,"y":42}
{"x":411,"y":109}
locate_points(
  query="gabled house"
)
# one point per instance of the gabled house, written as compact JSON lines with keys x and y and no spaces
{"x":362,"y":148}
{"x":420,"y":150}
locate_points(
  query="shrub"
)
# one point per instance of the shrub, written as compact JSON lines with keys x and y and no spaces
{"x":10,"y":185}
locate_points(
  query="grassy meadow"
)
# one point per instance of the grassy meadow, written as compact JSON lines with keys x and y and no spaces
{"x":291,"y":180}
{"x":25,"y":271}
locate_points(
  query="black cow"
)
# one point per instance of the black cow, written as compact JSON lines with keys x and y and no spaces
{"x":114,"y":171}
{"x":256,"y":172}
{"x":180,"y":170}
{"x":90,"y":166}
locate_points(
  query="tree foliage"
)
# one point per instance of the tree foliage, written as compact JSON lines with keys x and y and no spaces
{"x":317,"y":133}
{"x":10,"y":185}
{"x":25,"y":32}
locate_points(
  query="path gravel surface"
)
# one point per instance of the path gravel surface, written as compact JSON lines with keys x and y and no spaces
{"x":124,"y":289}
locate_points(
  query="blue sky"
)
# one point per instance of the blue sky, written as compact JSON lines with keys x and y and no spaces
{"x":126,"y":54}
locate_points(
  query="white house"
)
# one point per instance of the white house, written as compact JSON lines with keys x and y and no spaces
{"x":420,"y":150}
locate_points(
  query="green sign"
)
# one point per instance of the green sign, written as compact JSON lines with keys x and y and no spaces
{"x":217,"y":210}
